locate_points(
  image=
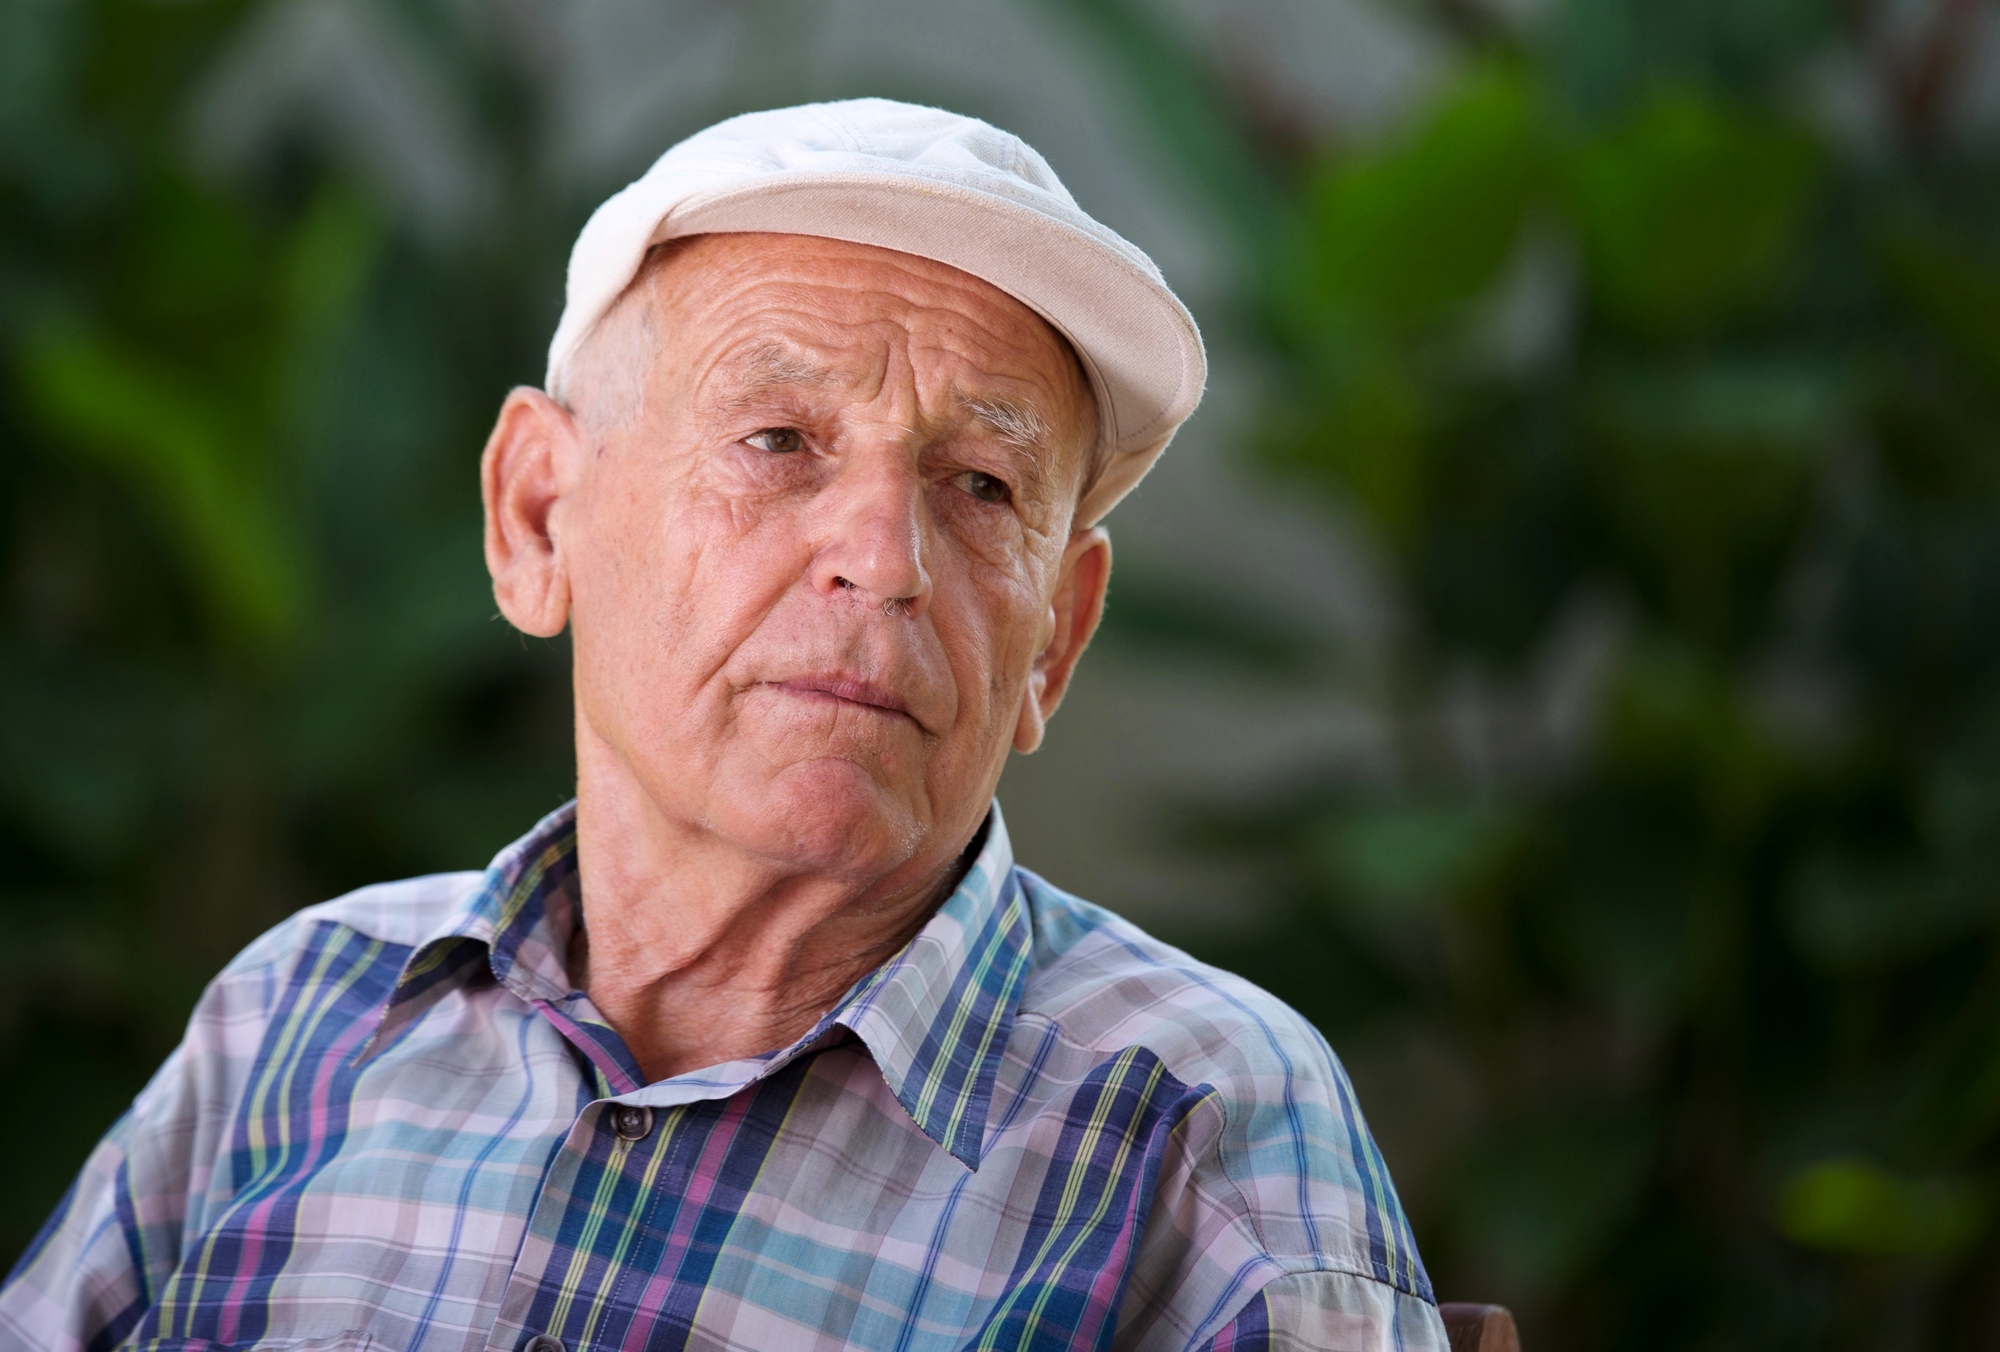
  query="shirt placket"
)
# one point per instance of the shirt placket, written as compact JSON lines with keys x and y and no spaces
{"x":585,"y":1273}
{"x":594,"y":1193}
{"x":590,"y":1209}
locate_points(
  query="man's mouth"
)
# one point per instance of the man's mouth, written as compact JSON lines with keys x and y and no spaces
{"x":850,"y":690}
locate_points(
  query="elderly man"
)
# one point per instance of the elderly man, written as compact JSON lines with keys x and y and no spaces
{"x":765,"y":1042}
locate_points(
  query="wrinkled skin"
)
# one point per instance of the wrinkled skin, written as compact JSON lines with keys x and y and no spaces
{"x":819,"y":581}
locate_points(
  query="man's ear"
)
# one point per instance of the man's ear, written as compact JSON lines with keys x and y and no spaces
{"x":531,"y":461}
{"x":1073,"y":615}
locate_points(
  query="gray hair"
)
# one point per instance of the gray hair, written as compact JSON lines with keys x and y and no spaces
{"x":603,"y":383}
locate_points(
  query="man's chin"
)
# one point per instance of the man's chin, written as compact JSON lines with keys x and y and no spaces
{"x":832,"y":816}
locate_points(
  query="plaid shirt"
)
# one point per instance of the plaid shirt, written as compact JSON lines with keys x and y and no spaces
{"x":394,"y":1124}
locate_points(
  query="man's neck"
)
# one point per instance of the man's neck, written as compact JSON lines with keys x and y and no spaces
{"x":697,"y":955}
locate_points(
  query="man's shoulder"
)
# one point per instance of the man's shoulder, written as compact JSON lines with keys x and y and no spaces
{"x":1287,"y":1146}
{"x":1109,"y":985}
{"x":403,"y":913}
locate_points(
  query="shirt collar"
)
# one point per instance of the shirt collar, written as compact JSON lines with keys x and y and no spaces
{"x":935,"y":1017}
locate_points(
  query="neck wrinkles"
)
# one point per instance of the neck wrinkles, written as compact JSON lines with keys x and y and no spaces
{"x":691,"y":971}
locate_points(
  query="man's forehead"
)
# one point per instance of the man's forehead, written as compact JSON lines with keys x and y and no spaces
{"x":827,"y":298}
{"x":756,"y":257}
{"x":765,"y":353}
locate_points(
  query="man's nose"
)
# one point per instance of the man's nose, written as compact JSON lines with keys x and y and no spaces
{"x":877,"y":535}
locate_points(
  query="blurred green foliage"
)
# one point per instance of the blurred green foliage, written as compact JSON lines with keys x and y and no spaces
{"x":1667,"y":952}
{"x":247,"y":655}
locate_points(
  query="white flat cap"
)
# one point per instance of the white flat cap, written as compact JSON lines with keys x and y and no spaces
{"x":930,"y":183}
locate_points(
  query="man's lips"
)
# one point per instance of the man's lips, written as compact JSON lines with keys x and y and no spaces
{"x":847,"y":690}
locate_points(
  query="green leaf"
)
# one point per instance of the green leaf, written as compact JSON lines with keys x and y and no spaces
{"x":1691,"y":211}
{"x":1406,"y":234}
{"x":1676,"y":716}
{"x":1853,"y":1206}
{"x":1363,"y":436}
{"x":186,"y":459}
{"x":329,"y":258}
{"x":1708,"y":469}
{"x":1408,"y":858}
{"x":1950,"y":285}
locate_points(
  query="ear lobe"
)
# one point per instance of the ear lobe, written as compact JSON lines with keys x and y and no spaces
{"x":1030,"y":726}
{"x":1074,"y":613}
{"x":528,"y":465}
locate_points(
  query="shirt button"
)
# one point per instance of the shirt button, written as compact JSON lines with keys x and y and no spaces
{"x":543,"y":1342}
{"x":631,"y":1124}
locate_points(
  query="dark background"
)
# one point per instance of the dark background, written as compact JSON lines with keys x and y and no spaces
{"x":1638,"y":361}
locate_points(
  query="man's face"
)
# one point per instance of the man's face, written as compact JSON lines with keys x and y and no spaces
{"x":812,"y":579}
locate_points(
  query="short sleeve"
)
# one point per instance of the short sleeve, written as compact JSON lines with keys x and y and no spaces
{"x":1331,"y":1312}
{"x":99,"y":1262}
{"x":85,"y":1281}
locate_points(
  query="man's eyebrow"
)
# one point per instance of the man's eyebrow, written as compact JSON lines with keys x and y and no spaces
{"x":1021,"y":425}
{"x":776,"y":364}
{"x":768,"y":367}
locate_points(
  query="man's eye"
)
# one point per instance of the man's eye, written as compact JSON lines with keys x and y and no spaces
{"x":984,"y":486}
{"x":777,"y":440}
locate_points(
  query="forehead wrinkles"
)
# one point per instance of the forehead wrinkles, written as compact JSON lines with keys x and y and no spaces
{"x":801,"y":286}
{"x":943,"y":366}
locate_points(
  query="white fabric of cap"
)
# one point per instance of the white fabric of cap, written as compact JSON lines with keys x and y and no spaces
{"x":932,"y":183}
